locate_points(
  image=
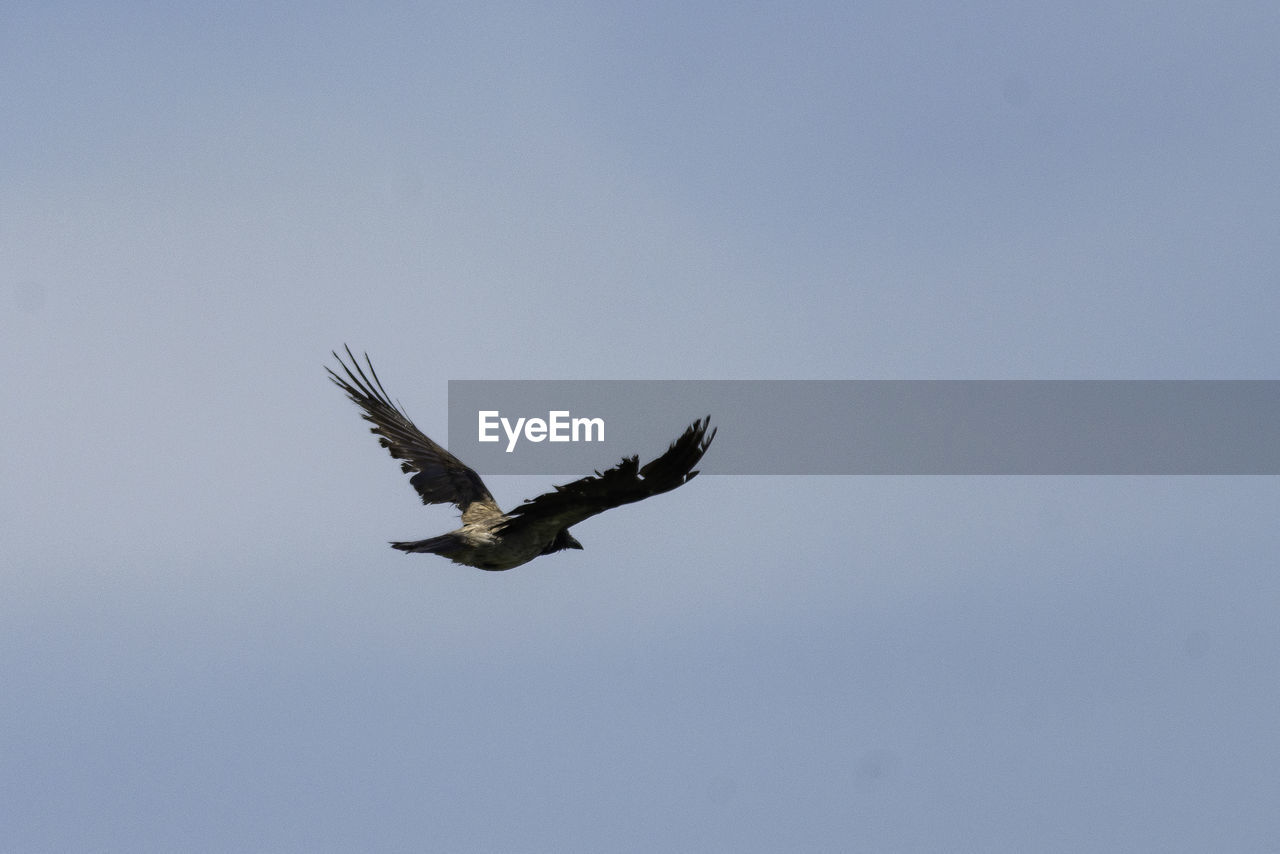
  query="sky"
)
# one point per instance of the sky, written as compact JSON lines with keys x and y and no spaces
{"x":205,"y":643}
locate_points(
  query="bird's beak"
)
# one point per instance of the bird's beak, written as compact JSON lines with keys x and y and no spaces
{"x":574,"y":544}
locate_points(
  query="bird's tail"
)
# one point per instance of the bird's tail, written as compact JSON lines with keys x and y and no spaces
{"x":445,"y":544}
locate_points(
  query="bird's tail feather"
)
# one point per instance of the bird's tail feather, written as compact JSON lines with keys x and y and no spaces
{"x":445,"y":544}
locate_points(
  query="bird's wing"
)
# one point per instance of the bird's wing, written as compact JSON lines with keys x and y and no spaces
{"x":625,"y":483}
{"x":441,"y":478}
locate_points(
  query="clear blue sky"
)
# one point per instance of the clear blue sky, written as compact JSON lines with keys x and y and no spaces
{"x":205,"y":644}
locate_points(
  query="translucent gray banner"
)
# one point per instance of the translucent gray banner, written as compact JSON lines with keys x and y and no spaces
{"x":806,"y":427}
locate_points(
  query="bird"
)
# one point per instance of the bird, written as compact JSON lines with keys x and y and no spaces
{"x":490,"y":539}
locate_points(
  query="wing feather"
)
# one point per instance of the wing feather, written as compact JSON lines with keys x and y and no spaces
{"x":625,"y":483}
{"x":439,"y":477}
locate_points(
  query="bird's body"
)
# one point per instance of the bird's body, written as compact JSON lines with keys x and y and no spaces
{"x":490,"y":539}
{"x":486,"y":547}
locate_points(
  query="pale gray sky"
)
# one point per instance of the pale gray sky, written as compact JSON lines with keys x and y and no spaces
{"x":206,"y":645}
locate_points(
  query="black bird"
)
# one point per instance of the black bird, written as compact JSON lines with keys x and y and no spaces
{"x":490,"y":539}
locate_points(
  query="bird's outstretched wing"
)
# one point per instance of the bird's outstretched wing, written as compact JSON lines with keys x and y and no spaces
{"x":441,"y":478}
{"x":625,"y":483}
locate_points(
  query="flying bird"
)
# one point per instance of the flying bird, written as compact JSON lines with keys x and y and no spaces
{"x":490,"y":539}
